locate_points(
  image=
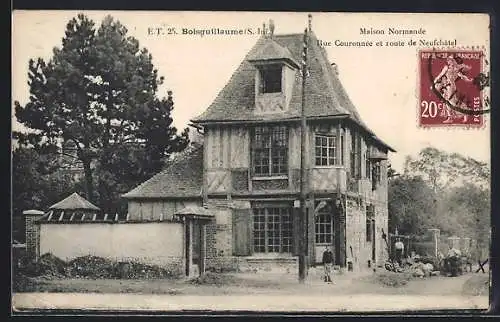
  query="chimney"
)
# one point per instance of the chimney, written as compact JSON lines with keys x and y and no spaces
{"x":335,"y":68}
{"x":310,"y":17}
{"x":271,"y":28}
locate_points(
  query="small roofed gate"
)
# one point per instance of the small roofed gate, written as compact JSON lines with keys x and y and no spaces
{"x":194,"y":220}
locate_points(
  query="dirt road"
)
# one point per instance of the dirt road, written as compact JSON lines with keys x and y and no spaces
{"x":264,"y":302}
{"x":350,"y":292}
{"x":268,"y":283}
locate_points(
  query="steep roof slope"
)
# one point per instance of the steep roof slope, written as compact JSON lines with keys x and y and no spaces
{"x":74,"y":202}
{"x":236,"y":100}
{"x":325,"y":95}
{"x":182,"y":178}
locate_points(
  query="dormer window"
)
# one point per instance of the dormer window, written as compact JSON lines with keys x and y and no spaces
{"x":275,"y":70}
{"x":270,"y":78}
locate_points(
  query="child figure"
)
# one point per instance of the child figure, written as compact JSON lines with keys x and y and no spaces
{"x":328,"y":264}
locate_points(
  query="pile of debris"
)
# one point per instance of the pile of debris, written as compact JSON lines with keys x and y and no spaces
{"x":421,"y":269}
{"x":90,"y":267}
{"x":416,"y":267}
{"x":93,"y":267}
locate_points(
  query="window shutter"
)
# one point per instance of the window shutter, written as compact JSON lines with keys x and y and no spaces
{"x":242,"y":232}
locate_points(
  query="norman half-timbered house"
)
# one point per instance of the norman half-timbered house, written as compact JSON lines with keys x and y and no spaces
{"x":247,"y":172}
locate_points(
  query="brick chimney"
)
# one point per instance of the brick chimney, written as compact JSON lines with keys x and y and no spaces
{"x":32,"y":233}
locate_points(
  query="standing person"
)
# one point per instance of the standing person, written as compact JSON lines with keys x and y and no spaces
{"x":327,"y":264}
{"x":399,"y":247}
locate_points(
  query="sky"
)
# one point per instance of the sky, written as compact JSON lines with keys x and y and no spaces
{"x":382,"y":82}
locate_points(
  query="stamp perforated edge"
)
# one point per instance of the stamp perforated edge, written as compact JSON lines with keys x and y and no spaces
{"x":451,"y":127}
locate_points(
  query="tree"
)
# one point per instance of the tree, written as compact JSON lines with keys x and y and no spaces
{"x":441,"y":169}
{"x":99,"y":91}
{"x":460,"y":189}
{"x":465,"y":211}
{"x":411,"y":205}
{"x":37,"y":183}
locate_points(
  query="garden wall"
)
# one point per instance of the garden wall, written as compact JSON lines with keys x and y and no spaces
{"x":156,"y":243}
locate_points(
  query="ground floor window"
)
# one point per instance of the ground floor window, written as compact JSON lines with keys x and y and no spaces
{"x":370,"y":222}
{"x":272,"y":231}
{"x":324,"y":224}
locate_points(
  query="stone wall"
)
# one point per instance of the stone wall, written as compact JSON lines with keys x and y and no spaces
{"x":381,"y":226}
{"x":356,"y":236}
{"x":219,"y":244}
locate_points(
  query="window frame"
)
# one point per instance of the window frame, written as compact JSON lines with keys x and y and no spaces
{"x":368,"y":163}
{"x":376,"y":174}
{"x":356,"y":164}
{"x":325,"y":236}
{"x":342,"y":148}
{"x":265,"y":73}
{"x":259,"y":149}
{"x":329,"y":149}
{"x":285,"y":236}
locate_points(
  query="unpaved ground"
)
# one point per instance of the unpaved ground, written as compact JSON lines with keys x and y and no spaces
{"x":271,"y":284}
{"x":257,"y":292}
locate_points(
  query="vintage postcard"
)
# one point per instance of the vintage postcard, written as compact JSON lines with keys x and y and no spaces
{"x":250,"y":161}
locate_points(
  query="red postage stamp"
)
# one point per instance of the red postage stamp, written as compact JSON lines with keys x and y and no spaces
{"x":451,"y":84}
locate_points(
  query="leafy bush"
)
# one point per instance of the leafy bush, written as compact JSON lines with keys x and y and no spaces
{"x":93,"y":267}
{"x":47,"y":265}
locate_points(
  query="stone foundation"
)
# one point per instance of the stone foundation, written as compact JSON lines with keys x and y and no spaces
{"x":252,"y":264}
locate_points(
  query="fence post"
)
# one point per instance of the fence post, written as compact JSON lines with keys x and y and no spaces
{"x":435,"y":233}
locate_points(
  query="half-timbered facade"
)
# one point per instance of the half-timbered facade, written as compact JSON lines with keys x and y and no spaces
{"x":251,"y":165}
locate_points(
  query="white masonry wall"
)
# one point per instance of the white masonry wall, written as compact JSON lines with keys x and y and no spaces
{"x":157,"y":243}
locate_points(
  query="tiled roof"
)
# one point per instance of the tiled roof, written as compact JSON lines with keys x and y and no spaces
{"x":58,"y":216}
{"x":325,"y":95}
{"x":74,"y":202}
{"x":271,"y":50}
{"x":182,"y":178}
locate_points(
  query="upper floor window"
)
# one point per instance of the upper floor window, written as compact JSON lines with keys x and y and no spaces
{"x":368,"y":170}
{"x":342,"y":148}
{"x":355,"y":166}
{"x":376,"y":175}
{"x":270,"y":79}
{"x":326,"y":150}
{"x":270,"y":150}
